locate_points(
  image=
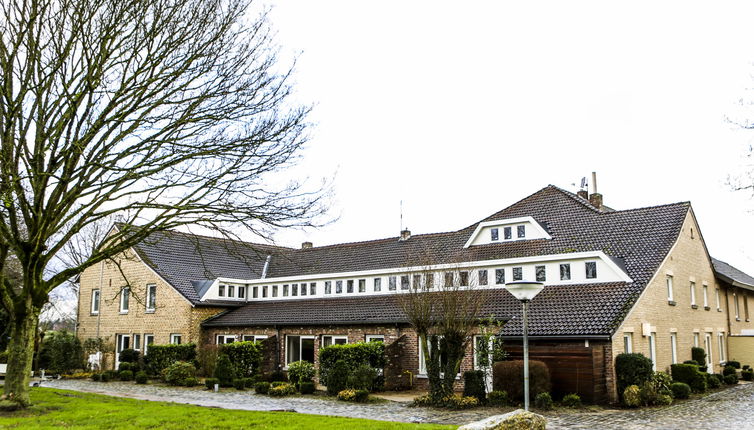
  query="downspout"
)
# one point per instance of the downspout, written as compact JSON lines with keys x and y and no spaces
{"x":99,"y":311}
{"x":277,"y":347}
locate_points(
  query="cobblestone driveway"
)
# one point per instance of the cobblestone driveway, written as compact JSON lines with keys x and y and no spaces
{"x":728,"y":409}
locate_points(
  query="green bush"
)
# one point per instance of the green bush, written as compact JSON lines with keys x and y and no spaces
{"x":632,"y":396}
{"x":353,"y":354}
{"x":210,"y":383}
{"x":350,"y":395}
{"x":730,"y":379}
{"x":160,"y":357}
{"x":700,"y":356}
{"x":96,"y":377}
{"x":301,"y":371}
{"x":680,"y":390}
{"x":4,"y":357}
{"x":745,"y":367}
{"x":262,"y":387}
{"x":734,"y":364}
{"x":337,"y":377}
{"x":664,"y":400}
{"x":689,"y":374}
{"x":61,"y":352}
{"x":747,"y":375}
{"x":498,"y":398}
{"x":239,"y":384}
{"x":126,"y":375}
{"x":653,"y":390}
{"x":543,"y":401}
{"x":192,"y":381}
{"x":362,"y":378}
{"x":249,"y":382}
{"x":129,"y":356}
{"x":713,"y":381}
{"x":109,"y":375}
{"x":283,"y":389}
{"x":178,"y":372}
{"x":246,"y":357}
{"x":224,"y":371}
{"x":473,"y":385}
{"x":453,"y":401}
{"x":141,"y":377}
{"x":509,"y":376}
{"x":694,"y":362}
{"x":632,"y":369}
{"x":729,"y":370}
{"x":307,"y":387}
{"x":571,"y":401}
{"x":278,"y":375}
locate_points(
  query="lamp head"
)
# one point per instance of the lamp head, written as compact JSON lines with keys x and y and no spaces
{"x":524,"y":290}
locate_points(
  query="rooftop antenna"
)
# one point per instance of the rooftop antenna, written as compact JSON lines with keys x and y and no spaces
{"x":401,"y":216}
{"x":584,"y":184}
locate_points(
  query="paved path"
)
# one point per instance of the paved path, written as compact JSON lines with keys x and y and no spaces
{"x":728,"y":409}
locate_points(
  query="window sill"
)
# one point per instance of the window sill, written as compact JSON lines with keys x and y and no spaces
{"x":706,"y":308}
{"x":94,"y":314}
{"x":694,"y":306}
{"x":123,"y":313}
{"x":719,"y":310}
{"x":424,"y":376}
{"x":149,"y":311}
{"x":738,"y":319}
{"x":671,"y":302}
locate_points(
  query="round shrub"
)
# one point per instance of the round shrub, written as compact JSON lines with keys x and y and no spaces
{"x":129,"y":356}
{"x":284,"y":389}
{"x":509,"y":376}
{"x":301,"y":371}
{"x":191,"y":381}
{"x":632,"y":369}
{"x":337,"y":377}
{"x":747,"y":375}
{"x":680,"y":390}
{"x":307,"y":387}
{"x":141,"y":377}
{"x":239,"y":384}
{"x":729,"y":370}
{"x":690,"y":374}
{"x":571,"y":401}
{"x":746,"y":366}
{"x":543,"y":401}
{"x":362,"y":378}
{"x":210,"y":383}
{"x":249,"y":382}
{"x":632,"y":396}
{"x":125,"y":366}
{"x":713,"y":381}
{"x":730,"y":379}
{"x":126,"y":375}
{"x":262,"y":387}
{"x":664,"y":400}
{"x":699,"y":355}
{"x":106,"y":376}
{"x":96,"y":377}
{"x":224,"y":371}
{"x":497,"y":398}
{"x":178,"y":372}
{"x":734,"y":364}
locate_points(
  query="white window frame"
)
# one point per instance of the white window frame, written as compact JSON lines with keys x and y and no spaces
{"x":673,"y":348}
{"x":628,"y":342}
{"x":721,"y":346}
{"x":300,"y":339}
{"x":124,"y":300}
{"x":653,"y":350}
{"x":374,"y":337}
{"x":422,"y":364}
{"x":136,"y":341}
{"x":254,"y":337}
{"x":95,"y":299}
{"x":151,"y":288}
{"x":717,"y":298}
{"x":705,"y":292}
{"x":669,"y":285}
{"x":174,"y":336}
{"x":708,"y":351}
{"x":333,"y":338}
{"x":225,"y":338}
{"x":692,"y":291}
{"x":147,"y":337}
{"x":735,"y":306}
{"x":696,"y":340}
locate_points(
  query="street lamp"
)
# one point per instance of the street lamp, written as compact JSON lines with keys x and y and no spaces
{"x":525,"y":291}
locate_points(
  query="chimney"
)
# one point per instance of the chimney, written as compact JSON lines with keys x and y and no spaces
{"x":583,"y":194}
{"x":405,"y":234}
{"x":595,"y":198}
{"x":306,"y":245}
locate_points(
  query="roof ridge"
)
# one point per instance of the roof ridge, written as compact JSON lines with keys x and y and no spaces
{"x":682,"y":203}
{"x":204,"y":236}
{"x":577,"y":198}
{"x":384,"y":239}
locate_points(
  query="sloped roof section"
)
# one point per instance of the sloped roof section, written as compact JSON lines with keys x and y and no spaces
{"x":731,"y":275}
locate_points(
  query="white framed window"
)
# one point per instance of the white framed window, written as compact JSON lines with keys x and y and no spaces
{"x":312,"y":288}
{"x":423,"y":364}
{"x":374,"y":338}
{"x":221,"y":290}
{"x":223,"y":339}
{"x":123,"y":341}
{"x":521,"y":231}
{"x":176,"y":338}
{"x":692,"y":292}
{"x":540,"y":273}
{"x":628,"y":343}
{"x":253,"y":337}
{"x":746,"y":307}
{"x":231,"y":291}
{"x":328,"y":340}
{"x":137,"y":342}
{"x":124,"y":293}
{"x":653,"y":350}
{"x":377,"y":285}
{"x":242,"y":291}
{"x":673,"y":348}
{"x":721,"y":346}
{"x":151,"y":297}
{"x":565,"y":272}
{"x":148,"y":340}
{"x":717,"y":298}
{"x":482,"y":275}
{"x":591,"y":269}
{"x":708,"y":350}
{"x":499,"y":276}
{"x":494,"y":234}
{"x":705,"y":290}
{"x":696,"y":340}
{"x":518,"y":273}
{"x":669,"y":284}
{"x":299,"y":348}
{"x":479,"y":350}
{"x":95,"y":302}
{"x":735,"y":305}
{"x":362,"y":285}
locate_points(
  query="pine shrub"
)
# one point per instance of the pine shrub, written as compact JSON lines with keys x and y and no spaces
{"x":224,"y":371}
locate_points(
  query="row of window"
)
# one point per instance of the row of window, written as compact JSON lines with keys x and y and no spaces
{"x":652,"y":346}
{"x":134,"y":341}
{"x":124,"y":301}
{"x":705,"y":291}
{"x":416,"y":281}
{"x":508,"y":233}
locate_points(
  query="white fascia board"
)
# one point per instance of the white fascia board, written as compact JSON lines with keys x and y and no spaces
{"x":439,"y":267}
{"x":211,"y":288}
{"x":504,"y":222}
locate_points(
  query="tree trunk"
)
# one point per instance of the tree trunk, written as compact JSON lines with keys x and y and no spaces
{"x":20,"y":354}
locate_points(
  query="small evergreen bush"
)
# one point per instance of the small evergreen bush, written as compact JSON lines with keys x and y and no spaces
{"x":224,"y":371}
{"x":249,"y":382}
{"x":497,"y":398}
{"x":124,"y":366}
{"x":700,"y":356}
{"x":473,"y":385}
{"x":245,"y":357}
{"x":129,"y":356}
{"x":210,"y":383}
{"x":307,"y":387}
{"x":353,"y":354}
{"x":730,"y":379}
{"x":713,"y":381}
{"x":632,"y":369}
{"x":239,"y":384}
{"x":543,"y":401}
{"x":455,"y":401}
{"x":734,"y":364}
{"x":191,"y":381}
{"x":141,"y":377}
{"x":680,"y":390}
{"x":632,"y":396}
{"x":284,"y":389}
{"x":160,"y":357}
{"x":278,"y":384}
{"x":747,"y":374}
{"x":729,"y":370}
{"x":126,"y":375}
{"x":96,"y":377}
{"x":351,"y":395}
{"x":362,"y":378}
{"x":689,"y":374}
{"x":664,"y":400}
{"x":571,"y":401}
{"x":262,"y":387}
{"x":337,"y":378}
{"x":301,"y":371}
{"x":178,"y":372}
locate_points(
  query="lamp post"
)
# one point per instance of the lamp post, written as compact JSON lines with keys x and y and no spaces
{"x":525,"y":291}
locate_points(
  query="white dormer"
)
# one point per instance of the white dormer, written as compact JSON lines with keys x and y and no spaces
{"x":507,"y":230}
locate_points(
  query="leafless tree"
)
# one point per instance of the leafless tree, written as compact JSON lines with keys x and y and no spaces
{"x":161,"y":113}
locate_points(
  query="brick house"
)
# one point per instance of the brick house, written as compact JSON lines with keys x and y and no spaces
{"x":636,"y":280}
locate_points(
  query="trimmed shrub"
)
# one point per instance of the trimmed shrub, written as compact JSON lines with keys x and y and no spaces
{"x":126,"y":375}
{"x":278,"y":383}
{"x":262,"y":387}
{"x":700,"y":356}
{"x":509,"y":376}
{"x":664,"y":400}
{"x":129,"y":356}
{"x":353,"y":354}
{"x":362,"y":378}
{"x":96,"y":377}
{"x":278,"y":375}
{"x":632,"y":396}
{"x":124,"y":366}
{"x":691,"y":362}
{"x":160,"y":357}
{"x":249,"y":382}
{"x":747,"y":374}
{"x":632,"y":369}
{"x":61,"y":353}
{"x":191,"y":382}
{"x":246,"y":357}
{"x":239,"y":384}
{"x":337,"y":377}
{"x":307,"y":387}
{"x":730,"y":379}
{"x":729,"y":370}
{"x":680,"y":390}
{"x":473,"y":385}
{"x":284,"y":389}
{"x":210,"y":383}
{"x":543,"y":401}
{"x":224,"y":371}
{"x":301,"y":371}
{"x":178,"y":372}
{"x":497,"y":398}
{"x":713,"y":381}
{"x":746,"y":366}
{"x":109,"y":375}
{"x":689,"y":374}
{"x":734,"y":364}
{"x":571,"y":401}
{"x":451,"y":402}
{"x":350,"y":395}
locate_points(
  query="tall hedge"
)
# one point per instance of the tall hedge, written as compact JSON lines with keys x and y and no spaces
{"x":353,"y":354}
{"x":246,"y":357}
{"x":632,"y":369}
{"x":161,"y":356}
{"x":61,"y":352}
{"x":509,"y":376}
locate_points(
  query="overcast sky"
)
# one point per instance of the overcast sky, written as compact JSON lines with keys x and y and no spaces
{"x":460,"y":109}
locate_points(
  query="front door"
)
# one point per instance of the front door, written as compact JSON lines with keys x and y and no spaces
{"x":708,"y":350}
{"x":123,"y":342}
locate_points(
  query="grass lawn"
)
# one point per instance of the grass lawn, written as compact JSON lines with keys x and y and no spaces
{"x":55,"y":409}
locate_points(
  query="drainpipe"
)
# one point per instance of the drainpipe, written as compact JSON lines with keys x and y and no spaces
{"x":277,"y":346}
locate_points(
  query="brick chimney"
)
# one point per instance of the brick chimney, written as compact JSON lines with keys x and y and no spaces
{"x":306,"y":245}
{"x":595,"y":199}
{"x":405,"y":234}
{"x":584,"y":194}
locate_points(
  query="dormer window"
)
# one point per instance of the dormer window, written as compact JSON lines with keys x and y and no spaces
{"x":518,"y":273}
{"x":242,"y":292}
{"x":285,"y":290}
{"x":521,"y":231}
{"x":591,"y":269}
{"x":264,"y":292}
{"x":255,"y":292}
{"x":565,"y":272}
{"x":519,"y":228}
{"x":541,"y":273}
{"x":231,"y":291}
{"x":499,"y":276}
{"x":507,"y":233}
{"x":494,"y":235}
{"x":274,"y":291}
{"x":221,"y":290}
